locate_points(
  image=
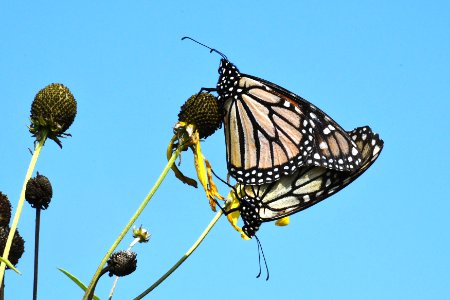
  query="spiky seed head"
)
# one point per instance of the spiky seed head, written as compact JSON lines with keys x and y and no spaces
{"x":17,"y":246}
{"x":122,"y":263}
{"x":39,"y":192}
{"x":53,"y":110}
{"x":203,"y":111}
{"x":5,"y":210}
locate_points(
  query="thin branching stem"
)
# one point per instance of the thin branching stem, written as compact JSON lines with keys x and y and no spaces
{"x":183,"y":258}
{"x":131,"y":222}
{"x":36,"y":251}
{"x":19,"y":207}
{"x":111,"y":293}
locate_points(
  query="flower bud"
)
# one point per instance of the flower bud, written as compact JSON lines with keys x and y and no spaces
{"x":142,"y":234}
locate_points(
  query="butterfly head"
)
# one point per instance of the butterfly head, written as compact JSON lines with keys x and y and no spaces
{"x":226,"y":68}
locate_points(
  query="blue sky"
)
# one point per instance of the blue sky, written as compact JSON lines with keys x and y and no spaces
{"x":379,"y":63}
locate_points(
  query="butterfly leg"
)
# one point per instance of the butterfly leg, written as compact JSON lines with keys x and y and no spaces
{"x":208,"y":90}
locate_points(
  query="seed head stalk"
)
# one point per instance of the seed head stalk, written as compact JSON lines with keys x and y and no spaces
{"x":18,"y":212}
{"x":131,"y":222}
{"x":184,"y":257}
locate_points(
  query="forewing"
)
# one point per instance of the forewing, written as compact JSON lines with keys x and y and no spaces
{"x":270,"y":132}
{"x":332,"y":147}
{"x":266,"y":135}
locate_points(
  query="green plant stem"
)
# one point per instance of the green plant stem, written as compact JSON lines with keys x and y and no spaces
{"x":184,"y":257}
{"x":36,"y":251}
{"x":2,"y":290}
{"x":131,"y":222}
{"x":18,"y":212}
{"x":102,"y":272}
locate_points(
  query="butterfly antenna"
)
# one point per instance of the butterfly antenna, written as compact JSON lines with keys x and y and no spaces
{"x":260,"y":251}
{"x":259,"y":258}
{"x":221,"y":208}
{"x":214,"y":173}
{"x":211,"y":49}
{"x":229,"y":185}
{"x":232,"y":187}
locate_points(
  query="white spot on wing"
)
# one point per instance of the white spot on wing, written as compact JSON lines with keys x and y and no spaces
{"x":323,"y":145}
{"x":376,"y":150}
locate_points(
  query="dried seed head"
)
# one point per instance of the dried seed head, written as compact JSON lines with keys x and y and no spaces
{"x":53,"y":110}
{"x":39,"y":192}
{"x":17,"y":246}
{"x":122,"y":263}
{"x":5,"y":210}
{"x":203,"y":111}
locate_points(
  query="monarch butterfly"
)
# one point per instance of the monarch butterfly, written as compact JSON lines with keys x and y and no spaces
{"x":270,"y":131}
{"x":306,"y":187}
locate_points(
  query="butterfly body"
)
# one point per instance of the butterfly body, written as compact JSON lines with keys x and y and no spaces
{"x":271,"y":132}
